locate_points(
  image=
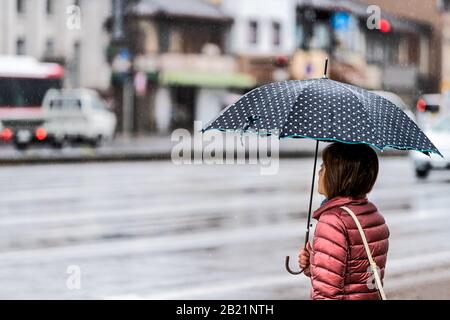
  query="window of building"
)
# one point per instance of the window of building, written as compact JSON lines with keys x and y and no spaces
{"x":20,"y":46}
{"x":382,"y":50}
{"x":50,"y":48}
{"x":321,"y":36}
{"x":444,"y":5}
{"x":20,"y":6}
{"x":424,"y":60}
{"x":76,"y":64}
{"x":299,"y":36}
{"x":313,"y":30}
{"x":49,"y":6}
{"x":375,"y":50}
{"x":253,"y":32}
{"x":164,"y":36}
{"x":276,"y":29}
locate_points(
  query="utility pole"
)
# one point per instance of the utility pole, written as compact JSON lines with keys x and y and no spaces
{"x":126,"y":55}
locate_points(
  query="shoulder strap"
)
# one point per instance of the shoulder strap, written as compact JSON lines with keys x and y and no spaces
{"x":373,"y":265}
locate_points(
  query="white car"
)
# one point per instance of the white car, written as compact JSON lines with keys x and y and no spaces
{"x":430,"y":108}
{"x":77,"y":115}
{"x":439,"y":134}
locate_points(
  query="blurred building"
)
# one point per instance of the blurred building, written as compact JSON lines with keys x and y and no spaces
{"x":191,"y":58}
{"x":395,"y":56}
{"x":70,"y":32}
{"x":445,"y":67}
{"x":183,"y":63}
{"x":183,"y":60}
{"x":261,"y":36}
{"x":437,"y":14}
{"x":198,"y":56}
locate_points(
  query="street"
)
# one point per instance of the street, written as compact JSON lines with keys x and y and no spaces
{"x":153,"y":230}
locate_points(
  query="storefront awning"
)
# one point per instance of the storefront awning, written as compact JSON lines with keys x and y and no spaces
{"x":206,"y":79}
{"x":197,"y":9}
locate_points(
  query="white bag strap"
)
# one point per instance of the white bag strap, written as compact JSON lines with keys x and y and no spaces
{"x":373,"y":265}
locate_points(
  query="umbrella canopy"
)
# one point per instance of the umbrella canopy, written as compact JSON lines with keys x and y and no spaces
{"x":325,"y":110}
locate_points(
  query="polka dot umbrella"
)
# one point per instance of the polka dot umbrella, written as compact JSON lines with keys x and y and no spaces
{"x":323,"y":110}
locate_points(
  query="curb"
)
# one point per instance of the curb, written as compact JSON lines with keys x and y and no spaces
{"x":130,"y":157}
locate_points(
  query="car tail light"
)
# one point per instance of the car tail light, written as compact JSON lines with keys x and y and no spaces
{"x":6,"y":134}
{"x":421,"y":105}
{"x":41,"y":134}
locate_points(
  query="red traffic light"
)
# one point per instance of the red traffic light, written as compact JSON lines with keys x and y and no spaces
{"x":385,"y":26}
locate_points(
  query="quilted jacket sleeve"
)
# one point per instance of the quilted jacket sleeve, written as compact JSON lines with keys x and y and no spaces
{"x":329,"y":257}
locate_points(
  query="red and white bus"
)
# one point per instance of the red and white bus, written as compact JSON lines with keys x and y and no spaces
{"x":24,"y":82}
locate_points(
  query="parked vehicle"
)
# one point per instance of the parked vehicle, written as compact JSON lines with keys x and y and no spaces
{"x":439,"y":134}
{"x":77,"y":115}
{"x":429,"y":109}
{"x":23,"y":83}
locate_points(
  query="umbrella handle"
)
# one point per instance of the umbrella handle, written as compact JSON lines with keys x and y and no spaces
{"x":288,"y":268}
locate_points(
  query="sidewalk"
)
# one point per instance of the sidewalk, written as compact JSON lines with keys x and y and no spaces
{"x":148,"y":148}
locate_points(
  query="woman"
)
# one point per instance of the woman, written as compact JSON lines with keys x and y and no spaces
{"x":337,"y":262}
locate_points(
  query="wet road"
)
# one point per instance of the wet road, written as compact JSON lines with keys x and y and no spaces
{"x":153,"y":230}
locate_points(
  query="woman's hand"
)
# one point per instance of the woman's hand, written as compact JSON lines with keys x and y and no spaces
{"x":303,"y":259}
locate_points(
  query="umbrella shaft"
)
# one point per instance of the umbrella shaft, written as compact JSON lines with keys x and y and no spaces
{"x":312,"y":192}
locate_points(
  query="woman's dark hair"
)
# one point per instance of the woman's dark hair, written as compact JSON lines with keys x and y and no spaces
{"x":350,"y":170}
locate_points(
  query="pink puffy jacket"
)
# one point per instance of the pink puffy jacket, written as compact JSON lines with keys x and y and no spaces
{"x":339,"y":268}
